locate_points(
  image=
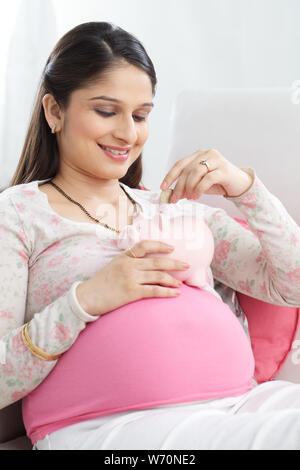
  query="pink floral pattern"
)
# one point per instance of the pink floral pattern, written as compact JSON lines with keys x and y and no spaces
{"x":4,"y":314}
{"x":260,"y":258}
{"x":20,"y":207}
{"x":55,"y":220}
{"x":55,"y":262}
{"x":23,"y":257}
{"x":294,"y":276}
{"x":26,"y":373}
{"x":250,"y":200}
{"x":17,"y":346}
{"x":61,"y":333}
{"x":221,"y":251}
{"x":22,"y":236}
{"x":294,"y":239}
{"x":263,"y":288}
{"x":7,"y":369}
{"x":16,"y":396}
{"x":245,"y":287}
{"x":43,"y":295}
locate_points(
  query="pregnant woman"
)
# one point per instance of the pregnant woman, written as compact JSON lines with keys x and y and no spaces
{"x":107,"y":349}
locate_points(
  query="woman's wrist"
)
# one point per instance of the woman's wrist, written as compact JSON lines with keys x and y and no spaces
{"x":84,"y":298}
{"x":248,"y":176}
{"x":35,"y":350}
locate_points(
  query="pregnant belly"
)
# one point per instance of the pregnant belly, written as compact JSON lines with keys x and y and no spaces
{"x":152,"y":351}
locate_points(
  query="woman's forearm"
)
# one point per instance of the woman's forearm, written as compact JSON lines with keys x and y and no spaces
{"x":53,"y":330}
{"x":264,"y":262}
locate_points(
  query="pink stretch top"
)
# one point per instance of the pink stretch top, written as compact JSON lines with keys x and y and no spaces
{"x":150,"y":352}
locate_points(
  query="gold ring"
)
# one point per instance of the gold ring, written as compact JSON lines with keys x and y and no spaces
{"x":204,"y":162}
{"x":132,"y":252}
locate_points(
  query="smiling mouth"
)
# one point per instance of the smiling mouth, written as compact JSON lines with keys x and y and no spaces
{"x":121,"y":153}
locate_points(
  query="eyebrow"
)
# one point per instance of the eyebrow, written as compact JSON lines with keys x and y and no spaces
{"x":114,"y":100}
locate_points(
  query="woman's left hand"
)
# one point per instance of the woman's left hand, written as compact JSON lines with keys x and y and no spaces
{"x":224,"y":178}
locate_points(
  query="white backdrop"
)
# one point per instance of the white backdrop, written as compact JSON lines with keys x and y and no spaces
{"x":193,"y":44}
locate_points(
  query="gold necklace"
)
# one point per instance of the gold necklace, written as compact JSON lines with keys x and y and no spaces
{"x":86,"y":212}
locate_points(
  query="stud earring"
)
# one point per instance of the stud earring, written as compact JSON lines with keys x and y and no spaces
{"x":53,"y":129}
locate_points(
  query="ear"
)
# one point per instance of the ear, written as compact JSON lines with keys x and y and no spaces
{"x":53,"y":113}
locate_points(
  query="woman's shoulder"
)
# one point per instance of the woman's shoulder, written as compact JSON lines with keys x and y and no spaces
{"x":18,"y":201}
{"x":23,"y":191}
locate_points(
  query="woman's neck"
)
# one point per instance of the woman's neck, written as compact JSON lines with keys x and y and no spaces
{"x":89,"y":189}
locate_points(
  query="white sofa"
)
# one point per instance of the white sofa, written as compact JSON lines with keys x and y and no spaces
{"x":251,"y":127}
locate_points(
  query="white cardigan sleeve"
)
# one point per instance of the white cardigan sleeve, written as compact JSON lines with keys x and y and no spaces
{"x":263,"y":262}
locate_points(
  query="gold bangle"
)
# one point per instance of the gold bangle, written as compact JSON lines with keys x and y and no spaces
{"x":34,"y":349}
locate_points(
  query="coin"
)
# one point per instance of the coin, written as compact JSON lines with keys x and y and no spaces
{"x":165,"y":196}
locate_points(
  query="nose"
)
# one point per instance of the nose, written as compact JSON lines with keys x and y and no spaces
{"x":126,"y":130}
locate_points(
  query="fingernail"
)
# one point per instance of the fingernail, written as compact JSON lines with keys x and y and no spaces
{"x":173,"y":199}
{"x":176,"y":292}
{"x":170,"y":248}
{"x":164,"y":186}
{"x":185,"y":265}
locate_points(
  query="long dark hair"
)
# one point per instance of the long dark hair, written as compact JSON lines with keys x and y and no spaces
{"x":80,"y":56}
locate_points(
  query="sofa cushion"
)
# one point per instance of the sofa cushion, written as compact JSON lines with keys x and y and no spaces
{"x":272,"y":330}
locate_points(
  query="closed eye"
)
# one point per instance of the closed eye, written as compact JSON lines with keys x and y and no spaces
{"x":138,"y":118}
{"x":106,"y":114}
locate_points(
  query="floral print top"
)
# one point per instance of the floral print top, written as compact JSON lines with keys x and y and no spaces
{"x":43,"y":257}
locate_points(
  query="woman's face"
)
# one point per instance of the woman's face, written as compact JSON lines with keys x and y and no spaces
{"x":103,"y":119}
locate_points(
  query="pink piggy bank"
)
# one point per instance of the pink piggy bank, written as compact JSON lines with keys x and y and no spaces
{"x":191,"y":237}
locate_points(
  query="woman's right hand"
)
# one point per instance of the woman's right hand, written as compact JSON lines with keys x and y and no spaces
{"x":126,"y":279}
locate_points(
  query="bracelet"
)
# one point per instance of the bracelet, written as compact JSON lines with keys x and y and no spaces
{"x":34,"y":349}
